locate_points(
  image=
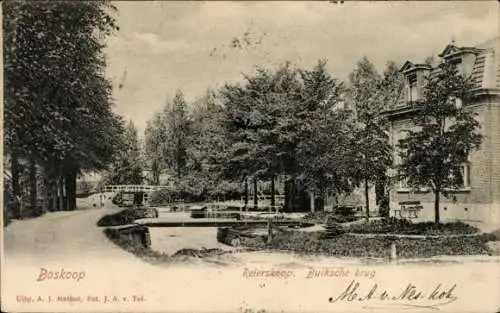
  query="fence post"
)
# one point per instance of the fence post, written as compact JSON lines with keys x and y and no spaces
{"x":394,"y":253}
{"x":269,"y":231}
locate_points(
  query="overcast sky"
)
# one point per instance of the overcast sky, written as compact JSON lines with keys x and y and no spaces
{"x":164,"y":46}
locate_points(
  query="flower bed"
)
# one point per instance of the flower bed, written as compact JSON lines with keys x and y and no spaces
{"x":404,"y":227}
{"x":379,"y":247}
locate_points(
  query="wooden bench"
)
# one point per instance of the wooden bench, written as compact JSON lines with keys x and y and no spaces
{"x":410,"y":207}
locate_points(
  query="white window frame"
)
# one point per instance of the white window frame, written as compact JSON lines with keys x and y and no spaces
{"x":412,"y":87}
{"x":466,"y":178}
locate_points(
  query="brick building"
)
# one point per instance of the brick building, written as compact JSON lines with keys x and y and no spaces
{"x":479,"y":198}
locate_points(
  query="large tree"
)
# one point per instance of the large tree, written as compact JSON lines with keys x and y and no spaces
{"x":206,"y":147}
{"x":155,"y":139}
{"x":128,"y":165}
{"x":177,"y":128}
{"x":287,"y":122}
{"x":445,"y":134}
{"x":57,"y":99}
{"x":370,"y":93}
{"x":325,"y":145}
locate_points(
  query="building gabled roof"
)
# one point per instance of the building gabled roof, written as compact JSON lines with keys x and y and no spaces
{"x":486,"y":70}
{"x":484,"y":67}
{"x":409,"y":66}
{"x":452,"y":50}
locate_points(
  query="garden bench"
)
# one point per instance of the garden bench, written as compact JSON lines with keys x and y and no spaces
{"x":410,"y":207}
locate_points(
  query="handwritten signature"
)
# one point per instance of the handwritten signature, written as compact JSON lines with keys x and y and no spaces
{"x":410,"y":297}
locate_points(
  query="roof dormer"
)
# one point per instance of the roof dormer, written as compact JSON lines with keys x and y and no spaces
{"x":452,"y":51}
{"x":414,"y":67}
{"x":415,"y":75}
{"x":463,"y":57}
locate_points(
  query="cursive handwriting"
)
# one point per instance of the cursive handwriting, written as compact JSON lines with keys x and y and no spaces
{"x":411,"y":296}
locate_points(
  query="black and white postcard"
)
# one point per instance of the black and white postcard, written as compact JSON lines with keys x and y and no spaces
{"x":250,"y":156}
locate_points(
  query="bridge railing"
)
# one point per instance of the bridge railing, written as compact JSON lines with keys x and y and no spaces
{"x":132,"y":188}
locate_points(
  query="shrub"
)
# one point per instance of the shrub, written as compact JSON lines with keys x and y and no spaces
{"x":126,"y":216}
{"x":344,"y":218}
{"x":199,"y":213}
{"x":318,"y":217}
{"x":400,"y":226}
{"x":332,"y":228}
{"x":244,"y":236}
{"x":198,"y":253}
{"x":492,"y":236}
{"x":345,"y":210}
{"x":380,"y":247}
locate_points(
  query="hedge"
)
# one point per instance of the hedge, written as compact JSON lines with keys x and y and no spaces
{"x":379,"y":247}
{"x":405,"y":227}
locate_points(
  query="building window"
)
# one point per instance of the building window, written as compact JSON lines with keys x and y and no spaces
{"x":403,"y":182}
{"x":464,"y":180}
{"x":455,"y":61}
{"x":466,"y":175}
{"x":412,"y":87}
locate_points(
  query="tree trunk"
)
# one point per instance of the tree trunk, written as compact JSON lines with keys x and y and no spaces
{"x":255,"y":198}
{"x":15,"y":172}
{"x":437,"y":193}
{"x":179,"y":160}
{"x":287,"y":196}
{"x":311,"y":199}
{"x":246,"y":192}
{"x":380,"y":190}
{"x":67,"y":191}
{"x":16,"y":187}
{"x":70,"y":189}
{"x":54,"y":194}
{"x":273,"y":198}
{"x":46,"y":190}
{"x":156,"y":178}
{"x":293,"y":195}
{"x":60,"y":193}
{"x":73,"y":189}
{"x":33,"y":185}
{"x":367,"y":200}
{"x":156,"y":175}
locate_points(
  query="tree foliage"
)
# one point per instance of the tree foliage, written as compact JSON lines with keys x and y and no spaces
{"x":127,"y":166}
{"x":177,"y":137}
{"x":370,"y":95}
{"x":445,"y":134}
{"x":288,"y":122}
{"x":55,"y":87}
{"x":155,"y":139}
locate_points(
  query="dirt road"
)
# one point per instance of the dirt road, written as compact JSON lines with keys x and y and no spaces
{"x":61,"y":236}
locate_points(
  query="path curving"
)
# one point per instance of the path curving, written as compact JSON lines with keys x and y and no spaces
{"x":55,"y":236}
